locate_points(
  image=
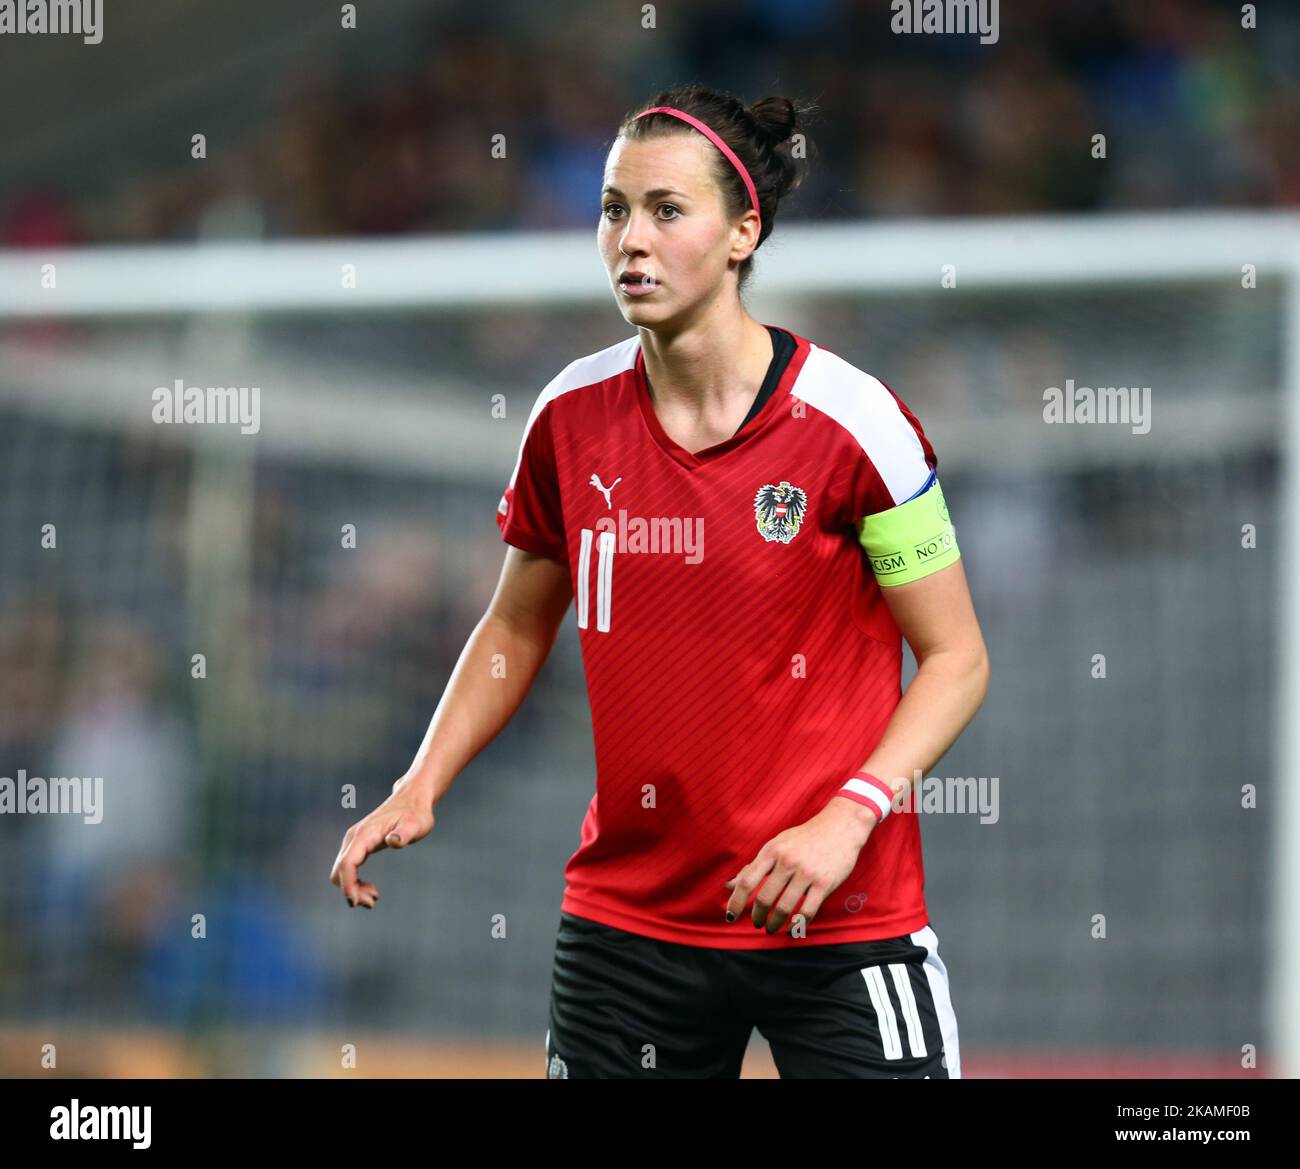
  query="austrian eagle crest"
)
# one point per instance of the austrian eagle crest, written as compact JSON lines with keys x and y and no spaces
{"x":779,"y":511}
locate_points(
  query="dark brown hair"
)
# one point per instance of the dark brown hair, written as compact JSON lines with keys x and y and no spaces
{"x":761,"y":135}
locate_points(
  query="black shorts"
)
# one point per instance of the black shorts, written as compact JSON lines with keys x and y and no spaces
{"x":625,"y":1005}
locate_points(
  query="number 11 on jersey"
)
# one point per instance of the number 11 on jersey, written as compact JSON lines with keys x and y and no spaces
{"x":604,"y":578}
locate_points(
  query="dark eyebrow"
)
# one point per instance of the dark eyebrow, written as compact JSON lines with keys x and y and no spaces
{"x":655,"y":194}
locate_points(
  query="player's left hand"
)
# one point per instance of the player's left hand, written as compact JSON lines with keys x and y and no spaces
{"x":808,"y":861}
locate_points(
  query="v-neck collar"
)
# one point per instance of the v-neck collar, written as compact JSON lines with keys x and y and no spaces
{"x":691,"y":460}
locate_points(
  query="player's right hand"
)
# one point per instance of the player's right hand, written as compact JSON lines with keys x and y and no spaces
{"x":402,"y":819}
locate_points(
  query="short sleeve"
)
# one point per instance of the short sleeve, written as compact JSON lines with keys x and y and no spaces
{"x":529,"y":514}
{"x":895,"y":461}
{"x":899,"y":511}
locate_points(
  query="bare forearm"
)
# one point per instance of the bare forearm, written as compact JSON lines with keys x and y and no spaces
{"x":936,"y":707}
{"x":492,"y":676}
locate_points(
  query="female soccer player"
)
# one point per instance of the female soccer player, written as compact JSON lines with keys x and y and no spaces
{"x":749,"y":526}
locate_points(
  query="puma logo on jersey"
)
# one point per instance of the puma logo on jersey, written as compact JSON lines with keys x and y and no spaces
{"x":596,"y":483}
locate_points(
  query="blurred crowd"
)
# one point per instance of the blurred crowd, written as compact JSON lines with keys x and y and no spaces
{"x":201,"y":894}
{"x":1195,"y":109}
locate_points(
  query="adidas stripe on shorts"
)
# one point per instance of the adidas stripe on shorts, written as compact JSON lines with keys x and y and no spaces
{"x":624,"y":1005}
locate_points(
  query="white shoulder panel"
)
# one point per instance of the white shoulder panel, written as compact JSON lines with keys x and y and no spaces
{"x":584,"y":371}
{"x":868,"y":411}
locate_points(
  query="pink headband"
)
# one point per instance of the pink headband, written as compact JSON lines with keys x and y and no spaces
{"x":718,"y":142}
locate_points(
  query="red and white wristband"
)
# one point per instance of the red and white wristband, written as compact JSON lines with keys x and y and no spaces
{"x":865,"y":789}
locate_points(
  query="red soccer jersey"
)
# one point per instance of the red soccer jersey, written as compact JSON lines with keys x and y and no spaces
{"x":741,"y":663}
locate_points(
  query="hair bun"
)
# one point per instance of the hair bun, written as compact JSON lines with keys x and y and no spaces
{"x":776,"y":117}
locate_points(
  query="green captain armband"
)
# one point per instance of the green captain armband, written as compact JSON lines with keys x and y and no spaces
{"x":910,"y":541}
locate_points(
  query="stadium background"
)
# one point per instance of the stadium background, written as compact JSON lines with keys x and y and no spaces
{"x":1119,"y":796}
